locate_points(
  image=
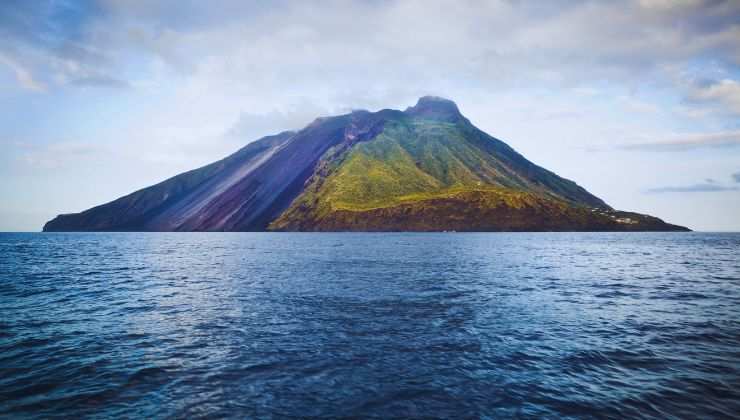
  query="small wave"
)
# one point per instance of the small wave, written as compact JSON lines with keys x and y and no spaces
{"x":613,"y":294}
{"x":730,"y":278}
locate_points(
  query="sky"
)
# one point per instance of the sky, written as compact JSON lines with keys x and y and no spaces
{"x":638,"y":101}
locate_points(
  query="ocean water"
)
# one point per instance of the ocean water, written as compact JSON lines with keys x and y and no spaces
{"x":265,"y":325}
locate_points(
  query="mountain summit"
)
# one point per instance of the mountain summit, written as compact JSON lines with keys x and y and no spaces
{"x":434,"y":107}
{"x":424,"y":169}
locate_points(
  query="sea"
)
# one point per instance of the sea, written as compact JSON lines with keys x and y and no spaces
{"x":366,"y":325}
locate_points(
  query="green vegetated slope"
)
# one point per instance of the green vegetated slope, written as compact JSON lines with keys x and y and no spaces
{"x":426,"y":174}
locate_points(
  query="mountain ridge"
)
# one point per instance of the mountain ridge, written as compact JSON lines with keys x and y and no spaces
{"x":427,"y":168}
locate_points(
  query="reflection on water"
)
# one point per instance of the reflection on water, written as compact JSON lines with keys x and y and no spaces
{"x":419,"y":325}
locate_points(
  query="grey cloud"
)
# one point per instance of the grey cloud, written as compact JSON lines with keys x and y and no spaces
{"x":47,"y":42}
{"x":101,"y":81}
{"x":707,"y":187}
{"x":688,"y":142}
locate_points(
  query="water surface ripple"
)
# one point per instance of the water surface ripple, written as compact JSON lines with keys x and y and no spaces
{"x":235,"y":325}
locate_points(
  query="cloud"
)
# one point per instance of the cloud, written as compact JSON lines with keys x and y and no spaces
{"x":47,"y":43}
{"x":724,"y":93}
{"x":59,"y":155}
{"x":706,"y":187}
{"x":101,"y":81}
{"x":24,"y":77}
{"x":736,"y":177}
{"x":668,"y":5}
{"x":412,"y":44}
{"x":251,"y":126}
{"x":685,"y":142}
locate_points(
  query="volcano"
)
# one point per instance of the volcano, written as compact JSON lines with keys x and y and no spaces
{"x":427,"y":168}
